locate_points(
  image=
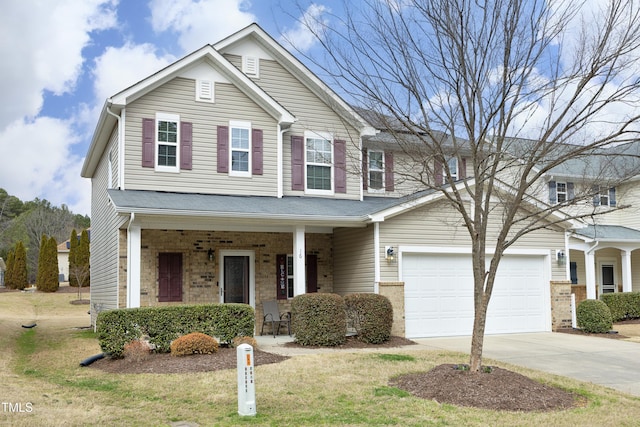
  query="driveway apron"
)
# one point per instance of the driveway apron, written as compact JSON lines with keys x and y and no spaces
{"x":607,"y":362}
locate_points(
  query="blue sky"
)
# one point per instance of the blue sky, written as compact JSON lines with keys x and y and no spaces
{"x":63,"y":58}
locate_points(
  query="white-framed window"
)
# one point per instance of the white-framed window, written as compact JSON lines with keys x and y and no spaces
{"x":376,"y":170}
{"x":204,"y":90}
{"x":319,"y":162}
{"x":167,"y":141}
{"x":561,"y":192}
{"x":452,"y":164}
{"x":604,"y":196}
{"x":251,"y":66}
{"x":290,"y":276}
{"x":240,"y":148}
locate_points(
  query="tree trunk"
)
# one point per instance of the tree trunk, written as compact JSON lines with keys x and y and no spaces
{"x":477,"y":337}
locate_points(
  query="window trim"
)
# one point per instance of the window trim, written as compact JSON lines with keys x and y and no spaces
{"x":382,"y":171}
{"x":565,"y":193}
{"x":327,"y":137}
{"x":237,"y":124}
{"x":454,"y":172}
{"x":167,"y":117}
{"x":603,"y":193}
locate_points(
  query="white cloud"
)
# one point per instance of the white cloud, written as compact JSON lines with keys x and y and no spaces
{"x":41,"y":46}
{"x":199,"y":22}
{"x":303,"y":35}
{"x":37,"y":161}
{"x":121,"y":67}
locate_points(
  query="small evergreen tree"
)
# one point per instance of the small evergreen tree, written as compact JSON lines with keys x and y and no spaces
{"x":82,"y":258}
{"x":73,"y":253}
{"x":20,"y":266}
{"x":49,"y":280}
{"x":9,"y":281}
{"x":41,"y":262}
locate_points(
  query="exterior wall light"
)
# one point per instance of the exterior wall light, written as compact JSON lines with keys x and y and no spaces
{"x":389,"y":254}
{"x":210,"y":254}
{"x":561,"y":257}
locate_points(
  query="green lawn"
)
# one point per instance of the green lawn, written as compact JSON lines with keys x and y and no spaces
{"x":44,"y":385}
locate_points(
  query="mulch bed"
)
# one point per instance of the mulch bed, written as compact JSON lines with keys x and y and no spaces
{"x":164,"y":363}
{"x":498,"y":390}
{"x":613,"y":334}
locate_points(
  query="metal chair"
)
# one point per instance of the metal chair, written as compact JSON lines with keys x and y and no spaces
{"x":273,"y":317}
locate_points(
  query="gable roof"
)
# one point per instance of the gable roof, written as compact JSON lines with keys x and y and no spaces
{"x":300,"y":71}
{"x":114,"y":104}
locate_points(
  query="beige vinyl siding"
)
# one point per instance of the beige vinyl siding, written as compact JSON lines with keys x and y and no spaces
{"x":635,"y":272}
{"x":104,"y":240}
{"x":439,"y":225}
{"x":312,"y":113}
{"x":353,"y":262}
{"x":178,"y":97}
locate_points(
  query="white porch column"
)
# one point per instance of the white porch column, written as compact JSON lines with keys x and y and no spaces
{"x":590,"y":268}
{"x":627,"y":286}
{"x":134,"y":239}
{"x":299,"y":270}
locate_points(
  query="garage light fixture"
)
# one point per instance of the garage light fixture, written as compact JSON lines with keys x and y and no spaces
{"x":210,"y":254}
{"x":561,"y":257}
{"x":390,"y":254}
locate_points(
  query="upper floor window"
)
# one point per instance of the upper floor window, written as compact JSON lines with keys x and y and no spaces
{"x":240,"y":151}
{"x":167,"y":137}
{"x":319,"y":162}
{"x":452,"y":164}
{"x":376,"y":170}
{"x":604,"y":196}
{"x":561,"y":192}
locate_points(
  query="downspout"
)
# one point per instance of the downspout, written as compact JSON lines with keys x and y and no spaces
{"x":120,"y":148}
{"x":131,"y":219}
{"x":280,"y":160}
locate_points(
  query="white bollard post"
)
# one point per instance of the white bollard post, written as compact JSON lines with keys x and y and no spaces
{"x":574,"y":321}
{"x":246,"y":382}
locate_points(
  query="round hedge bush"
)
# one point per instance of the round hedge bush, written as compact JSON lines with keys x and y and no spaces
{"x":319,"y":319}
{"x":194,"y":343}
{"x":594,"y":316}
{"x":372,"y":316}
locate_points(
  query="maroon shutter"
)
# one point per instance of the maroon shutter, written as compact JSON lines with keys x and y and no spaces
{"x":297,"y":162}
{"x":438,"y":173}
{"x":256,"y":160}
{"x":340,"y":161}
{"x":148,"y":143}
{"x":223,"y":149}
{"x":312,"y":273}
{"x":365,"y":169}
{"x":463,"y":169}
{"x":389,"y":183}
{"x":186,"y":145}
{"x":281,"y":276}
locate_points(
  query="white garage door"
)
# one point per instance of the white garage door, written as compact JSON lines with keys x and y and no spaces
{"x":439,"y":295}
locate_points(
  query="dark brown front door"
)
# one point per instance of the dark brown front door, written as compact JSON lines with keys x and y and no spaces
{"x":236,"y":279}
{"x":170,"y":277}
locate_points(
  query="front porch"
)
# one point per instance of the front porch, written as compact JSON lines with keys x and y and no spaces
{"x":603,"y":259}
{"x":202,"y":266}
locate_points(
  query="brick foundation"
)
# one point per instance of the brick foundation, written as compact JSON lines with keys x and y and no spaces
{"x":560,"y":305}
{"x":395,"y":292}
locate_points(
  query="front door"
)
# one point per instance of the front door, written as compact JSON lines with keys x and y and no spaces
{"x":169,"y":277}
{"x":236,"y":279}
{"x":608,"y":281}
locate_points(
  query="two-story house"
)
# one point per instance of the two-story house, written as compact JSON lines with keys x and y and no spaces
{"x":236,"y":175}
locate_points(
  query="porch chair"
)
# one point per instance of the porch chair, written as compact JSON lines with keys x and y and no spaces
{"x":272,"y":316}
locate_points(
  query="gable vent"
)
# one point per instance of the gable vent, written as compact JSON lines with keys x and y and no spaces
{"x":205,"y":90}
{"x":250,"y":65}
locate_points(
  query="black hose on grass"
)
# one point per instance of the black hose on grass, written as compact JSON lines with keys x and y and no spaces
{"x":89,"y":360}
{"x":33,"y":325}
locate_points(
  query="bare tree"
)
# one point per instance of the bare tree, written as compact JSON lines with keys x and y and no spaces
{"x":516,"y":88}
{"x":81,"y":273}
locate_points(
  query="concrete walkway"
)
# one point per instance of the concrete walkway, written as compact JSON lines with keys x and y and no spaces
{"x":607,"y":362}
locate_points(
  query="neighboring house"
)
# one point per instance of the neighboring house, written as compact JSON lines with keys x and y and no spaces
{"x":228,"y":177}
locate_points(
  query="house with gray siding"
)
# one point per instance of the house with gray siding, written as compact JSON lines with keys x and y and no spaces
{"x":236,"y":175}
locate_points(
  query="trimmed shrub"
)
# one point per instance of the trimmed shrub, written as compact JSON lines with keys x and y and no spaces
{"x":623,"y":305}
{"x":594,"y":316}
{"x":371,"y":315}
{"x":245,"y":340}
{"x":194,"y":343}
{"x":137,"y":350}
{"x":115,"y":328}
{"x":319,"y":319}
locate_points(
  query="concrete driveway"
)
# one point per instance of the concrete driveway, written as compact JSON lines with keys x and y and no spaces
{"x":607,"y":362}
